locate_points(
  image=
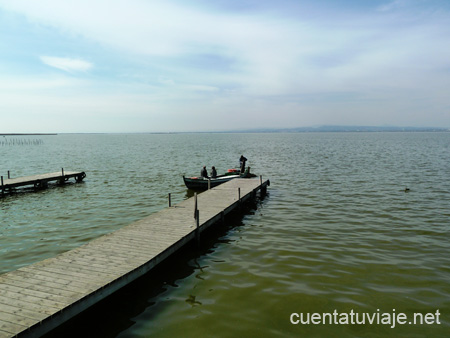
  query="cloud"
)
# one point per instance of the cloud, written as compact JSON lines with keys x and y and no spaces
{"x":393,"y":5}
{"x":201,"y":88}
{"x":263,"y":62}
{"x":67,"y":64}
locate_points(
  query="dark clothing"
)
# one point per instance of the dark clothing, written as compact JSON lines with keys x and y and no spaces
{"x":213,"y":173}
{"x":204,"y":173}
{"x":242,"y":163}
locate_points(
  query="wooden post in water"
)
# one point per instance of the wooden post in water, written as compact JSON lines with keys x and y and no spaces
{"x":61,"y":181}
{"x":197,"y":220}
{"x":263,"y":188}
{"x":195,"y":205}
{"x":170,"y":201}
{"x":2,"y":184}
{"x":197,"y":227}
{"x":239,"y":196}
{"x":9,"y":175}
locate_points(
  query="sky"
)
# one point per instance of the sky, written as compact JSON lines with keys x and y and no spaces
{"x":202,"y":65}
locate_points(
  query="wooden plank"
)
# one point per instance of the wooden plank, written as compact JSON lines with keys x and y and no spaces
{"x":8,"y":329}
{"x":69,"y":273}
{"x":12,"y":309}
{"x":46,"y":287}
{"x":32,"y":273}
{"x":18,"y":319}
{"x":51,"y":291}
{"x":66,"y":281}
{"x":27,"y":305}
{"x":26,"y":291}
{"x":56,"y":305}
{"x":85,"y":265}
{"x":107,"y":254}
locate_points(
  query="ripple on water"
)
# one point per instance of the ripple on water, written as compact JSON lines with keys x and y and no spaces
{"x":336,"y":231}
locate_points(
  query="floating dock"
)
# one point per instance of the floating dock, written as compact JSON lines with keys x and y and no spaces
{"x":38,"y":298}
{"x":38,"y":181}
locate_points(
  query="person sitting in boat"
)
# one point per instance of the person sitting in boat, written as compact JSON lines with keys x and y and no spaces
{"x":204,"y":172}
{"x":213,"y":172}
{"x":242,"y":163}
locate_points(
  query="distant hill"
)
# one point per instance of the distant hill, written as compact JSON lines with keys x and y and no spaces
{"x":347,"y":129}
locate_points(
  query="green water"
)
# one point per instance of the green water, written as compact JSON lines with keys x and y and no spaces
{"x":337,"y":230}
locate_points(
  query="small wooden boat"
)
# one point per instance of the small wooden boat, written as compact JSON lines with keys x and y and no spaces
{"x":202,"y":183}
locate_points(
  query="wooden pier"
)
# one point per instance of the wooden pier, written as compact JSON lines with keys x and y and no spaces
{"x":40,"y":297}
{"x":38,"y":181}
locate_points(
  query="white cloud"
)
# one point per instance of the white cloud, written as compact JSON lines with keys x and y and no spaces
{"x":393,"y":5}
{"x":178,"y":57}
{"x":67,"y":64}
{"x":201,"y":88}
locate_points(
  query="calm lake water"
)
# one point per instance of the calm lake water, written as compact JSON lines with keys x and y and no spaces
{"x":337,"y":230}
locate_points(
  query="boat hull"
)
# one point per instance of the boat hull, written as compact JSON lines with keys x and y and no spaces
{"x":201,"y":183}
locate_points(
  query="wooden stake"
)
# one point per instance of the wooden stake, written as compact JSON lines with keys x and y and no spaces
{"x":197,"y":227}
{"x":195,"y":206}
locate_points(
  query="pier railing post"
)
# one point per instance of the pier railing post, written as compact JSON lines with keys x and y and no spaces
{"x":195,"y":205}
{"x":197,"y":220}
{"x":264,"y":188}
{"x":2,"y":184}
{"x":239,"y":197}
{"x":197,"y":227}
{"x":61,"y":181}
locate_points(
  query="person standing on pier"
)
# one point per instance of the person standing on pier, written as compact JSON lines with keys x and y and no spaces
{"x":242,"y":163}
{"x":204,"y":172}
